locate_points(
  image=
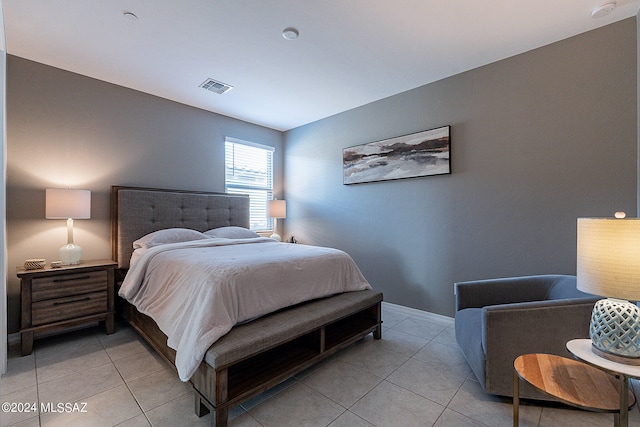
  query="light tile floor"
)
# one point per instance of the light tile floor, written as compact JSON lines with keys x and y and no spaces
{"x":414,"y":376}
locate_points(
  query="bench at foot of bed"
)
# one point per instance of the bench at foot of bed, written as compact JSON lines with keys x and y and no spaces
{"x":260,"y":354}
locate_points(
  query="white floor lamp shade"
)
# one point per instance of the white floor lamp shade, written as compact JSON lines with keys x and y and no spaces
{"x":608,"y":264}
{"x":62,"y":203}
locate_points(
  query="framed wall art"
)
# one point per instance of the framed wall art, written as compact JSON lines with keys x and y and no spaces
{"x":419,"y":154}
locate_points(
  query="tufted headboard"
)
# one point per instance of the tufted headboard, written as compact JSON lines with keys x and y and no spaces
{"x":137,"y":211}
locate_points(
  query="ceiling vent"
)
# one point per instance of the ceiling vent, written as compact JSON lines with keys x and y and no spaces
{"x":215,"y":86}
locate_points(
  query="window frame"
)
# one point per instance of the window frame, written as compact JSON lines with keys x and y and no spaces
{"x":251,"y":188}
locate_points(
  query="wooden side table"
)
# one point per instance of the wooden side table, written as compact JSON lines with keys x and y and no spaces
{"x":569,"y":381}
{"x":57,"y":298}
{"x":581,"y":349}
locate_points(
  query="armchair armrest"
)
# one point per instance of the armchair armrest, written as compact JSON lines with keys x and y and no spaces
{"x":481,"y":293}
{"x":510,"y":330}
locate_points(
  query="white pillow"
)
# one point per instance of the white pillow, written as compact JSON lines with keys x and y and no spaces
{"x":232,"y":233}
{"x":169,"y":235}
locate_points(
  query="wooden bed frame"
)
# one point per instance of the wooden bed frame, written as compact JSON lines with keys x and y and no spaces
{"x":242,"y":364}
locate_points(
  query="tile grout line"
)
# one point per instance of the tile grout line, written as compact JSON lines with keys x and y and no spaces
{"x":35,"y":368}
{"x":412,"y":357}
{"x":125,"y":384}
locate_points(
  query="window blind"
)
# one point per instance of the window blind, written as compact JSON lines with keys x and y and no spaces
{"x":249,"y":170}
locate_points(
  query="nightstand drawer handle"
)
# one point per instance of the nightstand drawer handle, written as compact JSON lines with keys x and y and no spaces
{"x":71,"y":302}
{"x":68,"y":279}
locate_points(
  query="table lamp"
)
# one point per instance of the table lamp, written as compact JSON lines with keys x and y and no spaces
{"x":68,"y":204}
{"x":608,"y":265}
{"x":276,"y":209}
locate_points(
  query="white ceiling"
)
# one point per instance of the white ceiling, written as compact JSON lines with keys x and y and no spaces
{"x":349,"y":53}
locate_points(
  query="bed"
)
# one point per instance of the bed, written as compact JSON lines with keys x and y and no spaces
{"x":260,"y":350}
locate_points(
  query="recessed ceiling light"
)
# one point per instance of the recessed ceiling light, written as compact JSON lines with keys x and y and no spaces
{"x":290,"y":33}
{"x":130,"y":15}
{"x":603,"y":10}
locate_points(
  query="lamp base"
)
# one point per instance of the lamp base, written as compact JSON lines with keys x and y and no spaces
{"x":276,"y":236}
{"x":70,"y":254}
{"x":615,"y":330}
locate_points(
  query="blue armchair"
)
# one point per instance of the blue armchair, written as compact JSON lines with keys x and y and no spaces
{"x":499,"y":319}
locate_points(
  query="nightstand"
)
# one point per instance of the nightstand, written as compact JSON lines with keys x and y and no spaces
{"x":57,"y":298}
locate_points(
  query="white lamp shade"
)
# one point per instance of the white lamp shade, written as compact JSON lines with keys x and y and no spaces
{"x":608,"y":259}
{"x":277,"y":209}
{"x":62,"y":203}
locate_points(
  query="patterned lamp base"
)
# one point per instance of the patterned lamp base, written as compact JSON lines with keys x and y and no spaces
{"x":615,"y":330}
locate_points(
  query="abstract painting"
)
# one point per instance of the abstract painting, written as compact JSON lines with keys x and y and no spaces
{"x":419,"y":154}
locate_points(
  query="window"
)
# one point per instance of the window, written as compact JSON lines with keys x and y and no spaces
{"x":249,"y":170}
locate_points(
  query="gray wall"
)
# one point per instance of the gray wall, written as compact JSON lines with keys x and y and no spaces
{"x":3,"y":167}
{"x":64,"y":129}
{"x":538,"y":140}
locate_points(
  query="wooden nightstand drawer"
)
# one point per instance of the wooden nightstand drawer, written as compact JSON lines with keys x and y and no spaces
{"x":68,"y":284}
{"x":53,"y":299}
{"x":55,"y":310}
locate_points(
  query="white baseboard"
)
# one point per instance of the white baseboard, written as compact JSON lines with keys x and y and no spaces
{"x":418,"y":313}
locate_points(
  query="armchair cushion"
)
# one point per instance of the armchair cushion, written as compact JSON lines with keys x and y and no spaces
{"x":498,"y":320}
